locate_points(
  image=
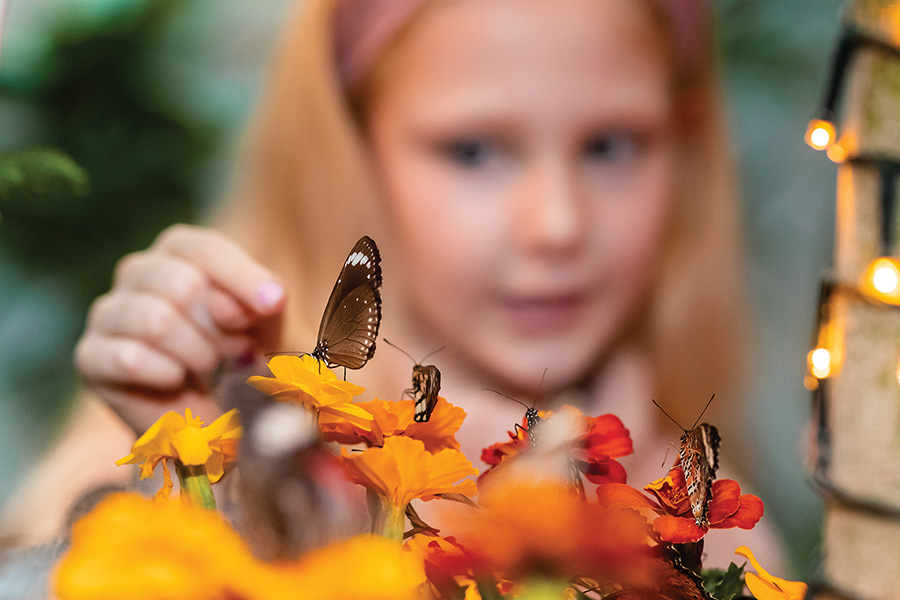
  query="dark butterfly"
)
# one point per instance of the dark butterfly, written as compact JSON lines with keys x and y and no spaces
{"x":426,"y":384}
{"x":353,"y":314}
{"x":698,"y":454}
{"x":532,"y":418}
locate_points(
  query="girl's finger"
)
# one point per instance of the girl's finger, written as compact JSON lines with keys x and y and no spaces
{"x":121,"y":361}
{"x":157,"y":323}
{"x":227,"y":265}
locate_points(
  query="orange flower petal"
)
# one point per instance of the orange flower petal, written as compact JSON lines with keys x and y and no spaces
{"x":725,"y":501}
{"x":612,"y":493}
{"x":746,"y":517}
{"x":678,"y":530}
{"x":607,"y":435}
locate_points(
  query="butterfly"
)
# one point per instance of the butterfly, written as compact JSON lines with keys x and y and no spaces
{"x":426,"y":384}
{"x":532,"y":418}
{"x":353,"y":314}
{"x":698,"y":454}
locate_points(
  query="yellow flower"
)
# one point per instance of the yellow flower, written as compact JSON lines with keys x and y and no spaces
{"x":764,"y":586}
{"x":129,"y":548}
{"x":305,"y":380}
{"x":365,"y":567}
{"x":395,"y":419}
{"x":403,"y":470}
{"x":186,"y":440}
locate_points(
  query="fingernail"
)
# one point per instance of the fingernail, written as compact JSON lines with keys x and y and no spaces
{"x":269,"y":294}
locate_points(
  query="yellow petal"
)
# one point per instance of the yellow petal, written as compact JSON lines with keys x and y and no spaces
{"x":227,"y":426}
{"x":191,"y":446}
{"x":766,"y":586}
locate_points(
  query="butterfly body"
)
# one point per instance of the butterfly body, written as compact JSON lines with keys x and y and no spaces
{"x":699,"y":458}
{"x":352,"y":316}
{"x":532,"y":420}
{"x":426,"y":384}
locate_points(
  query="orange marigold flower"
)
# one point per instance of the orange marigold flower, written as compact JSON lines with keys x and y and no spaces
{"x":396,"y":418}
{"x":403,"y":470}
{"x":129,"y":548}
{"x":671,"y":511}
{"x":531,"y":530}
{"x":186,"y":440}
{"x":595,"y":443}
{"x":764,"y":586}
{"x":365,"y":567}
{"x":305,"y":380}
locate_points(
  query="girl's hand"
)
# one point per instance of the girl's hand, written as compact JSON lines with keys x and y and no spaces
{"x":177,"y":311}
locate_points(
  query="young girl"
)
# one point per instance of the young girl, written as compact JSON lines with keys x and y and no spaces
{"x":548,"y":184}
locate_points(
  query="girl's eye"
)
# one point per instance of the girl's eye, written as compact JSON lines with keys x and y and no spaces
{"x":469,"y":152}
{"x":613,"y":147}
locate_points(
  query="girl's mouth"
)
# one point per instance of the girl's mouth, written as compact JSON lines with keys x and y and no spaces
{"x":542,"y":315}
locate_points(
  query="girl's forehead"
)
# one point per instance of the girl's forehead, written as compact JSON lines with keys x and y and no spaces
{"x":365,"y":27}
{"x":525,"y":52}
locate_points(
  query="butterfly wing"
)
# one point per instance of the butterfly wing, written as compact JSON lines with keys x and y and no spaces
{"x":353,"y":314}
{"x":699,"y":457}
{"x":426,"y":381}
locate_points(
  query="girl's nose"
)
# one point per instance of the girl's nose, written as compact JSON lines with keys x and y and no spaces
{"x":549,"y":215}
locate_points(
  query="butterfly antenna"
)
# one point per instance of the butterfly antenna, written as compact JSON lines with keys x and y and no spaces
{"x":432,"y":352}
{"x":505,"y":396}
{"x":401,"y":350}
{"x":544,"y":374}
{"x":671,"y":418}
{"x":704,"y":411}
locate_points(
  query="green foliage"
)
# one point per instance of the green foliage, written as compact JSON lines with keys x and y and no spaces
{"x":36,"y":179}
{"x":724,"y":585}
{"x":97,"y":99}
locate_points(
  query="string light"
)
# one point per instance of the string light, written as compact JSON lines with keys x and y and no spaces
{"x":819,"y":361}
{"x":820,"y":134}
{"x":882,"y":280}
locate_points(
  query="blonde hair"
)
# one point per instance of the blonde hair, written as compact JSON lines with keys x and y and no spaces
{"x":308,"y":193}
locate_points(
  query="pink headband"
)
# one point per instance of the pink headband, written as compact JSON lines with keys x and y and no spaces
{"x":362,"y":27}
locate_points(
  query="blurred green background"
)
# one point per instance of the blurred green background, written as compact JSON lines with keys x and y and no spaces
{"x":150,"y":96}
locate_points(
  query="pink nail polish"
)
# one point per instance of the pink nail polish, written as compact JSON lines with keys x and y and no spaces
{"x":269,"y":294}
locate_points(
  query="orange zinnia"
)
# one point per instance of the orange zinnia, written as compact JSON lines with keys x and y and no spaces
{"x":396,"y":419}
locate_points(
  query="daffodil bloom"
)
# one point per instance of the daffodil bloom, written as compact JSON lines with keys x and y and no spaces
{"x":396,"y":418}
{"x":305,"y":380}
{"x":403,"y":470}
{"x":764,"y":586}
{"x":185,"y":440}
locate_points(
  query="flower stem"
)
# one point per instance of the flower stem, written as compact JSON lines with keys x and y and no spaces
{"x":394,"y":522}
{"x":195,"y":486}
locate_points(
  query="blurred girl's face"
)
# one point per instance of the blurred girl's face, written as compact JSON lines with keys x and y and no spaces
{"x":527,"y":155}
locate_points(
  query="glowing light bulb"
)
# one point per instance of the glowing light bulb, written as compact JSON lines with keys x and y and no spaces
{"x":820,"y":134}
{"x":820,"y":363}
{"x":882,"y":280}
{"x":885,"y":279}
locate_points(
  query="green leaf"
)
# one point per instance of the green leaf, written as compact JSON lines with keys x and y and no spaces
{"x":39,"y":177}
{"x":724,"y":585}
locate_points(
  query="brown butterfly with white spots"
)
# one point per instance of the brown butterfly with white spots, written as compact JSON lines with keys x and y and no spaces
{"x":698,"y":454}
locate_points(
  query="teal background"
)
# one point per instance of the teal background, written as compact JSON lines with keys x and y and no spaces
{"x":150,"y":96}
